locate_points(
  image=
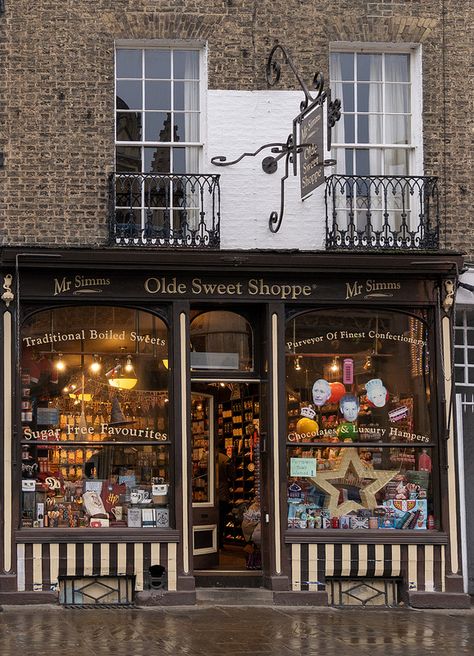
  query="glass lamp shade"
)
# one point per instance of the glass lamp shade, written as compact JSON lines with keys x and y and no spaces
{"x":126,"y":383}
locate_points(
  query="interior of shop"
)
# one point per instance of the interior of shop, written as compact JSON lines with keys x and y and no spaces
{"x":226,"y":473}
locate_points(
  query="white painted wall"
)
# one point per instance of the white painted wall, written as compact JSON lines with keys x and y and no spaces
{"x":242,"y":121}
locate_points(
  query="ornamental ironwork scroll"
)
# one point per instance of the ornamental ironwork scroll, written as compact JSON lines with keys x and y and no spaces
{"x":305,"y":142}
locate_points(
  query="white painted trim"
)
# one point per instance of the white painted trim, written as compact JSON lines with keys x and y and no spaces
{"x":462,"y":490}
{"x":7,"y":441}
{"x":452,"y":494}
{"x":276,"y":445}
{"x":184,"y":439}
{"x":206,"y":550}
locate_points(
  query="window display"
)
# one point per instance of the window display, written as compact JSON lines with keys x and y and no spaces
{"x":359,"y":443}
{"x":95,"y":443}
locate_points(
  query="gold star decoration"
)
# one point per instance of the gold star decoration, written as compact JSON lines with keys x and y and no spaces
{"x":349,"y":465}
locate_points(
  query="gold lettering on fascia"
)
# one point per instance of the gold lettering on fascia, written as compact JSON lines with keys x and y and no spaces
{"x":371,"y":288}
{"x":79,"y":284}
{"x":93,"y":334}
{"x":164,"y":286}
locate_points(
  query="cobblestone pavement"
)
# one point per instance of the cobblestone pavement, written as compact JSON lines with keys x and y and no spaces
{"x":233,"y":631}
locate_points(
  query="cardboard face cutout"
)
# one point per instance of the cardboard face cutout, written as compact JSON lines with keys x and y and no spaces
{"x":321,"y":392}
{"x":376,"y":392}
{"x":349,"y":407}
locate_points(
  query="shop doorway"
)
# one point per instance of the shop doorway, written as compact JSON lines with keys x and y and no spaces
{"x":226,"y":476}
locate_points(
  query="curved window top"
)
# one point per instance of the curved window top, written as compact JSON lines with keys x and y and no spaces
{"x":107,"y":364}
{"x":221,"y":340}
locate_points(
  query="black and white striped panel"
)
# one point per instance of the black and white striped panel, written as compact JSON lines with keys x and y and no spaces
{"x":40,"y":565}
{"x":422,"y":567}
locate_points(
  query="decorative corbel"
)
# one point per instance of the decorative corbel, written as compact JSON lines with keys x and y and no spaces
{"x":449,"y":291}
{"x":7,"y":296}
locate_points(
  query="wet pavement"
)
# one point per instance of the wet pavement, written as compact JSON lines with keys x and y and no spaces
{"x":233,"y":631}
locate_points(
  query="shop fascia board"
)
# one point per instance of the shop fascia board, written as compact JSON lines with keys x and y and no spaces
{"x":408,"y":263}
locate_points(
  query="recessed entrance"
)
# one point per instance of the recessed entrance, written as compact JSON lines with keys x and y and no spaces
{"x":226,"y":483}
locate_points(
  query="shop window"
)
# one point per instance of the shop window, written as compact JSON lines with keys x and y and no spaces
{"x":221,"y":340}
{"x":95,"y":443}
{"x":360,"y":443}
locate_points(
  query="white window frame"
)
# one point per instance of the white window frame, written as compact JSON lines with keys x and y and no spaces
{"x":461,"y":344}
{"x":415,"y":147}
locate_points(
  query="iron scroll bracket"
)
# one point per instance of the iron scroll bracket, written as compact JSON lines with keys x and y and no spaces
{"x":291,"y":149}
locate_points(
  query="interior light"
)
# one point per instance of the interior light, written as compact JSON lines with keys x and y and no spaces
{"x":96,"y":365}
{"x":298,"y":363}
{"x":129,"y":365}
{"x":165,"y":363}
{"x":60,"y":364}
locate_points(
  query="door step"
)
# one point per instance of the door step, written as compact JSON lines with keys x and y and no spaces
{"x":227,"y":579}
{"x":234,"y":597}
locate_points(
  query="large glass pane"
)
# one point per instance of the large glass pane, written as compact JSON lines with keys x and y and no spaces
{"x":369,"y":67}
{"x":129,"y":63}
{"x":129,"y":94}
{"x":186,"y":64}
{"x":358,"y":389}
{"x":360,"y":488}
{"x":94,"y":415}
{"x":158,"y":64}
{"x":347,"y":98}
{"x":349,"y":128}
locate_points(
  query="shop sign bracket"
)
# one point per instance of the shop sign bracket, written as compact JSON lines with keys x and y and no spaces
{"x":305,"y":143}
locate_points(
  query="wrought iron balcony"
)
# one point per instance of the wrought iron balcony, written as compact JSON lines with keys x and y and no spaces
{"x":382,"y":213}
{"x":165,"y":210}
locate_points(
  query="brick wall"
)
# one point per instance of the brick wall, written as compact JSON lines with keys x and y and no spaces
{"x":57,"y":103}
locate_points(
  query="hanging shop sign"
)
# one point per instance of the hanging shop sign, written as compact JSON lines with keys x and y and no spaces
{"x":311,"y":134}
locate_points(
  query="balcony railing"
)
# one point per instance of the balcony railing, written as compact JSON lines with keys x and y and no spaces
{"x":382,"y":213}
{"x":165,"y":210}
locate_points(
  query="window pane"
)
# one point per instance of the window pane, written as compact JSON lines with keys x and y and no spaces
{"x":186,"y":64}
{"x":158,"y":126}
{"x":369,"y":67}
{"x":369,"y":97}
{"x":397,"y":68}
{"x":470,"y":372}
{"x":158,"y":64}
{"x":470,"y":337}
{"x":186,"y":96}
{"x":397,"y":129}
{"x":129,"y":126}
{"x":108,"y":390}
{"x":129,"y":63}
{"x":347,"y":98}
{"x":186,"y":126}
{"x":342,"y":66}
{"x":349,"y":128}
{"x":369,"y":128}
{"x":221,"y":340}
{"x":396,"y":162}
{"x":459,"y":356}
{"x":158,"y":95}
{"x":129,"y":94}
{"x":359,"y":488}
{"x":128,"y":158}
{"x":157,"y":160}
{"x":397,"y":98}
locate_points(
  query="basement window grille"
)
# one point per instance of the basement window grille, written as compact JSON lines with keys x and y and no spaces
{"x":96,"y":591}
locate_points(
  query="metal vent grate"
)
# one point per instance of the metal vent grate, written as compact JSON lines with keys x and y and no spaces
{"x":363,"y":592}
{"x":96,"y":591}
